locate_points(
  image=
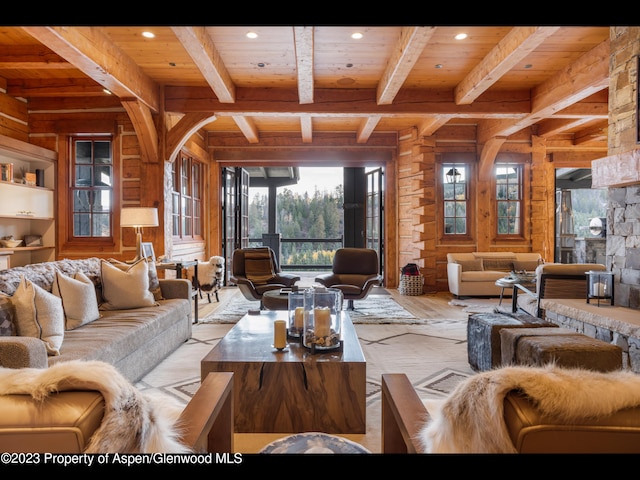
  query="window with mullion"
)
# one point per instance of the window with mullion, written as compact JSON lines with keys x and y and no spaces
{"x":508,"y":198}
{"x":186,"y":198}
{"x":91,"y":187}
{"x":455,"y":198}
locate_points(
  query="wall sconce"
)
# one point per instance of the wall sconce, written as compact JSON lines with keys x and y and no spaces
{"x":453,"y":175}
{"x":138,"y":217}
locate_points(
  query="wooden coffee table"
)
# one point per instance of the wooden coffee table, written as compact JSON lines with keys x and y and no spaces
{"x":293,"y":390}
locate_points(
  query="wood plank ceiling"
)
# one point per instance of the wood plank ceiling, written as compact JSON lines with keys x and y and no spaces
{"x":308,"y":80}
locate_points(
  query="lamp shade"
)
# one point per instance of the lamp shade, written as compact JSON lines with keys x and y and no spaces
{"x":139,"y":217}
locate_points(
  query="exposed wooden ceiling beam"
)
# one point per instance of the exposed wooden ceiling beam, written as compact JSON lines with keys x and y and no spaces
{"x":17,"y":57}
{"x":515,"y":46}
{"x":553,"y":126}
{"x":93,"y":53}
{"x":303,"y":40}
{"x":331,"y":102}
{"x":142,"y":121}
{"x":584,"y":77}
{"x":597,"y":133}
{"x":306,"y":126}
{"x":366,"y":128}
{"x":198,"y":44}
{"x":405,"y":55}
{"x":247,"y":127}
{"x":430,"y":125}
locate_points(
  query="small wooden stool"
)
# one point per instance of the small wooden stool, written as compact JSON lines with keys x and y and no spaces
{"x":561,"y":346}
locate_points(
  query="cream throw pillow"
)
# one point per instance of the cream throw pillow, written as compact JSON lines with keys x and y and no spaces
{"x":154,"y":281}
{"x":125,"y":289}
{"x":39,"y":314}
{"x":79,"y":301}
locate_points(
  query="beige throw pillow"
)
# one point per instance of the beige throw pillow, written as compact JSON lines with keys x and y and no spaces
{"x":39,"y":314}
{"x":79,"y":301}
{"x":154,"y":281}
{"x":125,"y":289}
{"x":471,"y":265}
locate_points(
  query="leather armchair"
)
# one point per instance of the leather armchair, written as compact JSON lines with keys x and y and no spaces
{"x":354,"y":272}
{"x":531,"y":431}
{"x":65,"y":420}
{"x":251,"y":289}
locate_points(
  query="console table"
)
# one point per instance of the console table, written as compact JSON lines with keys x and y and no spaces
{"x":179,"y":266}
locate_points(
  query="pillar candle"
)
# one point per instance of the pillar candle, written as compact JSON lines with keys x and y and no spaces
{"x":599,"y":289}
{"x":279,"y":334}
{"x":322,"y":320}
{"x":299,"y":317}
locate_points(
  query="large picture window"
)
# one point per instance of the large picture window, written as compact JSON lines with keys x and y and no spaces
{"x":456,"y":196}
{"x":91,"y":187}
{"x":187,"y":175}
{"x":509,"y":198}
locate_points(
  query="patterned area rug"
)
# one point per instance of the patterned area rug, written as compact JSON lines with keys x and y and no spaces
{"x":375,"y":309}
{"x":433,"y":355}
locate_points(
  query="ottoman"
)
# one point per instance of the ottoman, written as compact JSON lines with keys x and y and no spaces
{"x":483,"y":336}
{"x":561,"y":346}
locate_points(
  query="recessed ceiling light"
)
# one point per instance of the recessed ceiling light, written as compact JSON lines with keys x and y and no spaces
{"x":261,"y":65}
{"x":107,"y":91}
{"x":461,"y":36}
{"x":528,"y":65}
{"x":357,"y":35}
{"x":252,"y":35}
{"x":148,"y":34}
{"x":438,"y":65}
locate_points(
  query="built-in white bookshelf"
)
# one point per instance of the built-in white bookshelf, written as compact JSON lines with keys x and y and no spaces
{"x":27,"y":210}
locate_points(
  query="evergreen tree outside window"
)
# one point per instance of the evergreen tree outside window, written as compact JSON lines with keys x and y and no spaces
{"x":92,"y":187}
{"x":456,"y":197}
{"x":509,"y":198}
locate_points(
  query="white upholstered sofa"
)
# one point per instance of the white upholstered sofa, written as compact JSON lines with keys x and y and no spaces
{"x":474,"y":274}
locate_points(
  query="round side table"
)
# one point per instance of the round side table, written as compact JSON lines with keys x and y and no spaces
{"x":274,"y":300}
{"x":506,"y":282}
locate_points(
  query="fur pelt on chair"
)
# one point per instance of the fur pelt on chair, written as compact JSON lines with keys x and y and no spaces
{"x":134,"y":421}
{"x":471,"y":419}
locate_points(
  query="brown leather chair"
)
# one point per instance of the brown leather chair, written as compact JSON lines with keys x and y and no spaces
{"x":254,"y":288}
{"x":65,"y":421}
{"x":531,"y":431}
{"x":355,"y":272}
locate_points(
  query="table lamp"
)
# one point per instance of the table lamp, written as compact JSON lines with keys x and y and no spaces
{"x":138,"y":217}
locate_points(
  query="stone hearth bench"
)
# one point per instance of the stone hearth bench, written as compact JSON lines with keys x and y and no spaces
{"x":613,"y":324}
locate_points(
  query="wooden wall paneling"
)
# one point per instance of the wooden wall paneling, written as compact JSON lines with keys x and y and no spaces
{"x":14,"y":121}
{"x":391,"y":224}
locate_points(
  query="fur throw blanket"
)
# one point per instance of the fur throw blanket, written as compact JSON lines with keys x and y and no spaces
{"x":471,"y":419}
{"x":134,"y":421}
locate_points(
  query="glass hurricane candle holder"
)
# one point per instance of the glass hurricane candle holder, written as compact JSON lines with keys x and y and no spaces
{"x":296,"y":313}
{"x":600,"y":287}
{"x":322,"y":319}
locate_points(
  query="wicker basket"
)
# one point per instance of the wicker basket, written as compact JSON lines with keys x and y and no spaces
{"x":411,"y":284}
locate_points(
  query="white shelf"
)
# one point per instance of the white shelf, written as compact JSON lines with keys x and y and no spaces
{"x":28,"y":209}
